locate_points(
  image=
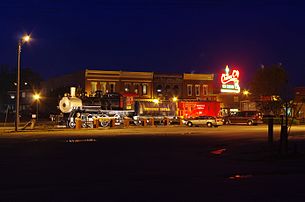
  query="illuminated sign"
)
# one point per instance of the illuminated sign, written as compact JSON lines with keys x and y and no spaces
{"x":230,"y":82}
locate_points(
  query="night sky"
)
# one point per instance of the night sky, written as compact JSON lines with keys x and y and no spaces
{"x":155,"y":35}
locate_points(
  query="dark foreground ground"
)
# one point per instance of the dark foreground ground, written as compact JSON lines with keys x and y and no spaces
{"x":229,"y":163}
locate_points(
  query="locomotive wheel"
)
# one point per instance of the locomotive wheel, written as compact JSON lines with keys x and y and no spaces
{"x":84,"y":125}
{"x":105,"y":122}
{"x":137,"y":122}
{"x":117,"y":118}
{"x":72,"y":124}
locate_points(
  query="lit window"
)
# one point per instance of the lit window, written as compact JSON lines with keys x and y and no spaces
{"x":93,"y":87}
{"x":197,"y":90}
{"x":103,"y":87}
{"x":205,"y":89}
{"x":144,"y":89}
{"x":189,"y":90}
{"x":23,"y":94}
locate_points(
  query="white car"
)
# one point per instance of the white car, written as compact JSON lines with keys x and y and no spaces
{"x":208,"y":121}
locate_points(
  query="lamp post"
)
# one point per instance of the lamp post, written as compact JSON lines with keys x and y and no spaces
{"x":246,"y":93}
{"x":21,"y":41}
{"x":36,"y":97}
{"x":175,"y":100}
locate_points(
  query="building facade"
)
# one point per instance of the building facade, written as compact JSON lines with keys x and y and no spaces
{"x":138,"y":83}
{"x":150,"y":85}
{"x":198,"y":87}
{"x":167,"y":86}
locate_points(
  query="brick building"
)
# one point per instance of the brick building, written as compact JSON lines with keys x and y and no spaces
{"x":145,"y":85}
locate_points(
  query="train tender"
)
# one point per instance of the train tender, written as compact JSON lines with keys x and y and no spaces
{"x":112,"y":106}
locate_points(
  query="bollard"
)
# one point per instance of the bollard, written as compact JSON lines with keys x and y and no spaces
{"x":95,"y":123}
{"x":166,"y":121}
{"x":112,"y":124}
{"x":180,"y":121}
{"x":78,"y":123}
{"x":126,"y":122}
{"x":152,"y":121}
{"x":144,"y":122}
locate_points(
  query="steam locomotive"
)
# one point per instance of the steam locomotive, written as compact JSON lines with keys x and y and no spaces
{"x":112,"y":106}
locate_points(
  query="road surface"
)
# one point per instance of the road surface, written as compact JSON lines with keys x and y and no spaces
{"x":228,"y":163}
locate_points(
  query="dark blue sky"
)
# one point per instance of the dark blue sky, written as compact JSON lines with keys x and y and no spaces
{"x":199,"y":36}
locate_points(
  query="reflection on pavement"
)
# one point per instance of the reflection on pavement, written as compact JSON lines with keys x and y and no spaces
{"x":81,"y":140}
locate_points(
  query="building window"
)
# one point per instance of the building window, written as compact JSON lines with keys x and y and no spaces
{"x":205,"y":89}
{"x":144,"y":89}
{"x":167,"y":88}
{"x":93,"y":87}
{"x":112,"y":87}
{"x":127,"y":87}
{"x":159,"y":88}
{"x":136,"y":88}
{"x":197,"y":90}
{"x":103,"y":87}
{"x":176,"y":89}
{"x":189,"y":89}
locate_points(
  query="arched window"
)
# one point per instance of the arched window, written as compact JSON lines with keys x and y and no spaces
{"x":159,"y":88}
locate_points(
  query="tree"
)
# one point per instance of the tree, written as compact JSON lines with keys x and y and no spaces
{"x":6,"y":82}
{"x":270,"y":86}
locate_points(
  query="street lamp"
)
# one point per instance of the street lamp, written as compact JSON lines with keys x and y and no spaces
{"x":36,"y":97}
{"x":156,"y":101}
{"x":21,"y":41}
{"x":175,"y":100}
{"x":246,"y":92}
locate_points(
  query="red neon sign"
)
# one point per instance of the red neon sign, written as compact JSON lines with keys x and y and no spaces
{"x":230,"y":82}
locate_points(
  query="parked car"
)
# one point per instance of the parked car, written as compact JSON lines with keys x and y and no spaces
{"x":208,"y":121}
{"x":244,"y":117}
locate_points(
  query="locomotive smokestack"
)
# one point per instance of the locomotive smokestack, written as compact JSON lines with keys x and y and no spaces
{"x":72,"y":91}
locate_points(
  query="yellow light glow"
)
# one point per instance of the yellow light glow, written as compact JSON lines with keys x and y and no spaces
{"x":26,"y":38}
{"x":36,"y":96}
{"x":246,"y":92}
{"x":175,"y":99}
{"x":156,"y":101}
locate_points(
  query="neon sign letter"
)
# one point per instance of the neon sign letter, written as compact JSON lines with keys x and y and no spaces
{"x":230,"y":82}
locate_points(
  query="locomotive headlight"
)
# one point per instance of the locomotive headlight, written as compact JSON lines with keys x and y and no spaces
{"x":156,"y":101}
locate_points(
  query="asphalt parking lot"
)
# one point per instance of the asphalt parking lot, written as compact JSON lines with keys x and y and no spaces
{"x":150,"y":164}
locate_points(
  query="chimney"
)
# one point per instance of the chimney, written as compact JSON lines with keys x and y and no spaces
{"x":72,"y":91}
